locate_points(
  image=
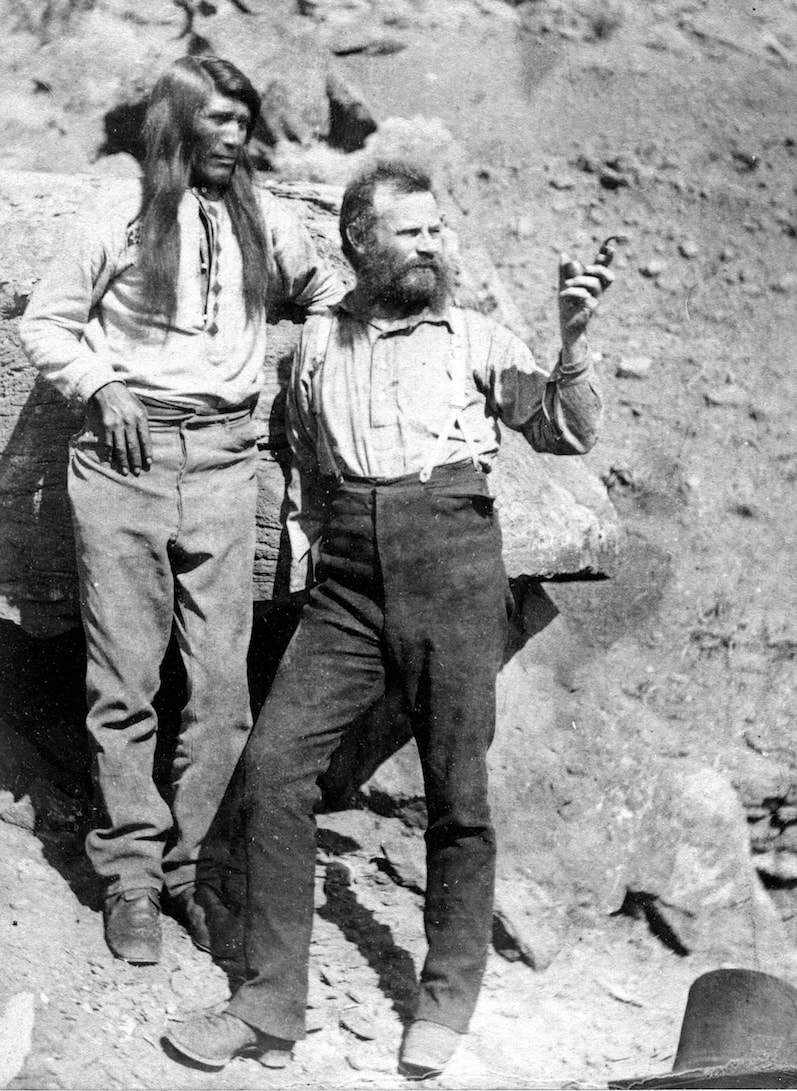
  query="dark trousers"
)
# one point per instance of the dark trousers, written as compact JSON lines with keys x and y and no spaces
{"x":411,"y":581}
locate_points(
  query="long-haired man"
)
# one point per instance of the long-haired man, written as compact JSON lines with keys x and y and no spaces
{"x":153,"y":318}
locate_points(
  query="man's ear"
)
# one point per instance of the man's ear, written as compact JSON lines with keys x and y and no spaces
{"x":357,"y":237}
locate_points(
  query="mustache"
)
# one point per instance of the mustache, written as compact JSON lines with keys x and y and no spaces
{"x":428,"y":263}
{"x":432,"y":265}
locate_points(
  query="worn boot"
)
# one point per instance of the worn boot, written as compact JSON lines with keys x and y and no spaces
{"x":427,"y":1048}
{"x":214,"y":1040}
{"x":133,"y":926}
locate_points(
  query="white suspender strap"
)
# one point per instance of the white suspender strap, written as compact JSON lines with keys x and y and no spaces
{"x":457,"y":370}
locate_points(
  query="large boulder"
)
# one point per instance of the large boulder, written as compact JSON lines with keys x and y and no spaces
{"x":557,"y":517}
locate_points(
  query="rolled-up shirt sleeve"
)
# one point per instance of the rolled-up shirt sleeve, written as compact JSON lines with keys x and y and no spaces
{"x":558,"y":413}
{"x":53,"y":326}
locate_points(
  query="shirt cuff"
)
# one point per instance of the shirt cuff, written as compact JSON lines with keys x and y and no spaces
{"x":92,"y":379}
{"x":302,"y":574}
{"x":573,"y":361}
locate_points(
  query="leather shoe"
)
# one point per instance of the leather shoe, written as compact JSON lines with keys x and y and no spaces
{"x":427,"y":1048}
{"x":133,"y":926}
{"x":212,"y":926}
{"x":214,"y":1040}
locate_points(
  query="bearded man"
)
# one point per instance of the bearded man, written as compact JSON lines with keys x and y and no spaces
{"x":153,"y":318}
{"x":393,"y":417}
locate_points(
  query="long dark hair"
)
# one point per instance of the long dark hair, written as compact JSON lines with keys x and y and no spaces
{"x":169,"y":128}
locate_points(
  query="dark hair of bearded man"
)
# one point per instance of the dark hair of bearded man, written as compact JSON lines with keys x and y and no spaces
{"x":169,"y":135}
{"x":357,"y":206}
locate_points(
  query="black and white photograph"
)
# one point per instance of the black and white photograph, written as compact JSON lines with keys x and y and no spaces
{"x":398,"y":513}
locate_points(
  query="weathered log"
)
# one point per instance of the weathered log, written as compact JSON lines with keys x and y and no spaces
{"x":556,"y":516}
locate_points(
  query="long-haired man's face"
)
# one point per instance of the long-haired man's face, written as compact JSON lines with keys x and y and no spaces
{"x":220,"y":134}
{"x":403,"y":264}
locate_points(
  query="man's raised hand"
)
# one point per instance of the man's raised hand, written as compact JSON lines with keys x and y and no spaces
{"x":119,"y":421}
{"x":580,"y":289}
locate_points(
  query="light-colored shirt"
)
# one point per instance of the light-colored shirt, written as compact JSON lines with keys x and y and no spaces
{"x":86,"y":326}
{"x":372,"y":399}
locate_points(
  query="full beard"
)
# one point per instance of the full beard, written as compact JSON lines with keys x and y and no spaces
{"x":406,"y":289}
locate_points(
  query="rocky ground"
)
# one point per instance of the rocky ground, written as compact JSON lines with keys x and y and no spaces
{"x":606,"y":1008}
{"x":671,"y":122}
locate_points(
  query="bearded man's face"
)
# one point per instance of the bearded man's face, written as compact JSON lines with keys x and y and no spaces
{"x":404,"y":266}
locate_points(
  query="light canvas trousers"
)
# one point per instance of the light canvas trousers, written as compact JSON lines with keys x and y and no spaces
{"x":170,"y":550}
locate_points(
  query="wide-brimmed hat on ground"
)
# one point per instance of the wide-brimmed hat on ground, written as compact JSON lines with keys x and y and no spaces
{"x":739,"y":1030}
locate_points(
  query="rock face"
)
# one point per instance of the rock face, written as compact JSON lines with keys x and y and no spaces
{"x":556,"y":516}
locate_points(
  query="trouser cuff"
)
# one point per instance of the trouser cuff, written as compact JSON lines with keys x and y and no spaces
{"x":266,"y":1021}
